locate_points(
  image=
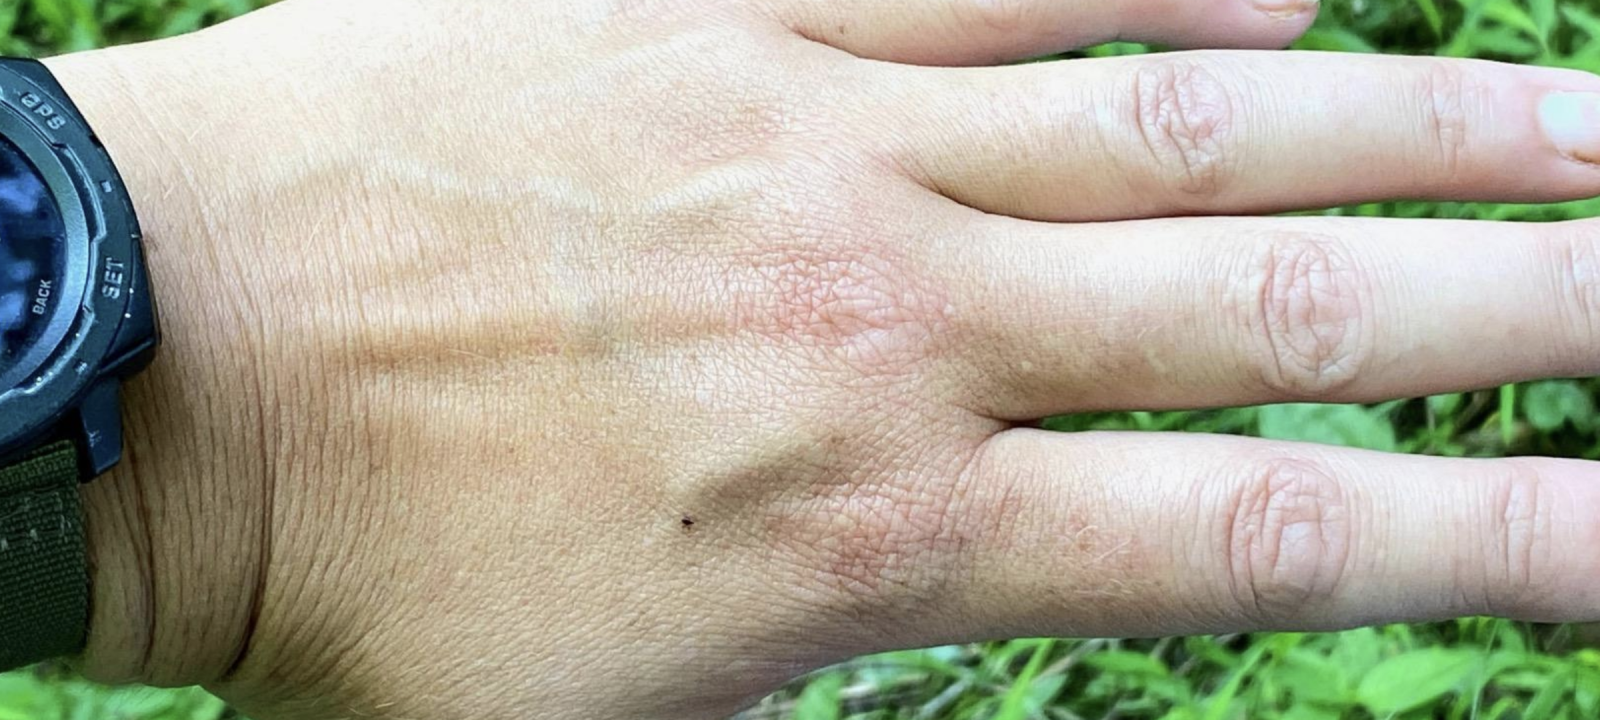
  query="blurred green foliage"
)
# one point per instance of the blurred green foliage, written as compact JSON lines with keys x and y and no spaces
{"x":52,"y":693}
{"x":48,"y":27}
{"x":1470,"y":668}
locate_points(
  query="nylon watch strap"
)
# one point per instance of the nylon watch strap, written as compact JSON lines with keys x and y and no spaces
{"x":44,"y":574}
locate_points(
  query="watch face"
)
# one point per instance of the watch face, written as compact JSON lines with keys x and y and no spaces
{"x":33,"y":259}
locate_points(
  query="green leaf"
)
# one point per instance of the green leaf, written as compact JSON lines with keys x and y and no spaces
{"x":1544,"y":17}
{"x":1334,"y":39}
{"x":1123,"y":662}
{"x":1218,"y":706}
{"x":1016,"y":705}
{"x":142,"y":703}
{"x":1043,"y":690}
{"x":1582,"y":20}
{"x":1304,"y":711}
{"x":1550,"y":405}
{"x":1357,"y":651}
{"x":1117,"y":49}
{"x":19,"y":692}
{"x":1313,"y":677}
{"x":1544,"y":703}
{"x":1209,"y":650}
{"x":1445,"y":404}
{"x":820,"y":699}
{"x":1430,"y":15}
{"x":1505,"y":12}
{"x":1349,"y":425}
{"x":1412,"y":679}
{"x":1505,"y":41}
{"x":1504,"y":707}
{"x":1508,"y":414}
{"x":1528,"y":680}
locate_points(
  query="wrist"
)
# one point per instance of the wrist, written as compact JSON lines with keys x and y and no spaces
{"x":174,"y":551}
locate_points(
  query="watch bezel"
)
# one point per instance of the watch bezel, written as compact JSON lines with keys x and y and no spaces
{"x":52,"y":168}
{"x":102,"y":237}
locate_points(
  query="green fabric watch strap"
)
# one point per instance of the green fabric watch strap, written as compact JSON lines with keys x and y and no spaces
{"x":44,"y":573}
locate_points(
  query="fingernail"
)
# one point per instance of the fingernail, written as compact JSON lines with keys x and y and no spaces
{"x":1285,"y":8}
{"x":1572,"y":122}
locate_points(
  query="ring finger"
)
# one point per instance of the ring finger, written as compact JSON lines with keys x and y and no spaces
{"x":1206,"y":312}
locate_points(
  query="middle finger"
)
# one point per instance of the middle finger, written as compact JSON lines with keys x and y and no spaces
{"x":1231,"y":132}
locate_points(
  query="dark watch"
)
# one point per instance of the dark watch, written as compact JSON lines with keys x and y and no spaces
{"x":76,"y":318}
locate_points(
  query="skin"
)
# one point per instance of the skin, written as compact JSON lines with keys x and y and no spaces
{"x":624,"y":359}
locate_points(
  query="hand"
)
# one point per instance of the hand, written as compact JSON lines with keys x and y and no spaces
{"x":624,"y":359}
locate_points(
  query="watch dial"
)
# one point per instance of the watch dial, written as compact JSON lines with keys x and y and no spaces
{"x":32,"y":259}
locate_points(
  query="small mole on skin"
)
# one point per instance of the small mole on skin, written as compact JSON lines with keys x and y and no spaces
{"x":844,"y":30}
{"x":688,"y":524}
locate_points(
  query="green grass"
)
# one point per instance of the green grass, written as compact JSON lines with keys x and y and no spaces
{"x":1472,"y":668}
{"x":50,"y":693}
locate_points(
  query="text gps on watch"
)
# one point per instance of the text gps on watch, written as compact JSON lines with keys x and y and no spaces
{"x":76,"y":318}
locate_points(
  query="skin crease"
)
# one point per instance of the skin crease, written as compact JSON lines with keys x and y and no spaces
{"x":627,"y":359}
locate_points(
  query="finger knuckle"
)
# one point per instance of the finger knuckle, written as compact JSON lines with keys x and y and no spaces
{"x":1185,"y":120}
{"x":1448,"y":95}
{"x":1518,"y":565}
{"x":1576,"y":260}
{"x":880,"y":541}
{"x":1002,"y":16}
{"x":855,"y":300}
{"x":1304,"y":308}
{"x":797,"y":255}
{"x":887,"y":547}
{"x":1287,"y":535}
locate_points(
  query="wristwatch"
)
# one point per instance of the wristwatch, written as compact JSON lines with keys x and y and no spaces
{"x":76,"y":319}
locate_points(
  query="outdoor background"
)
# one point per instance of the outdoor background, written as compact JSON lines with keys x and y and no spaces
{"x":1474,"y":668}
